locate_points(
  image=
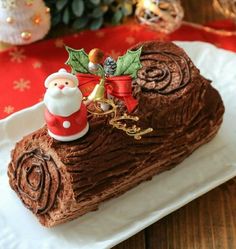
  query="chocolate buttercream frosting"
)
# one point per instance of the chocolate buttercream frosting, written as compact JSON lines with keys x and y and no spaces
{"x":163,"y":72}
{"x":38,"y":180}
{"x":62,"y":181}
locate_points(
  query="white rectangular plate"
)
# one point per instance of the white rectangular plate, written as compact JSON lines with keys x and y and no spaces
{"x":120,"y":218}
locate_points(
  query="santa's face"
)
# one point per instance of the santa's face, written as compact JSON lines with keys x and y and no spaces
{"x":60,"y":83}
{"x":63,"y":97}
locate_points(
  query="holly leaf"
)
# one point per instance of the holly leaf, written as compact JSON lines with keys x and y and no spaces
{"x":129,"y":63}
{"x":78,"y":60}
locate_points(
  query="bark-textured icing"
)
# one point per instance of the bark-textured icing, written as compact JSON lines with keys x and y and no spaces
{"x":174,"y":99}
{"x":38,"y":180}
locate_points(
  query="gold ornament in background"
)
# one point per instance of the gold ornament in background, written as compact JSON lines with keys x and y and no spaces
{"x":36,"y":19}
{"x":26,"y":35}
{"x":9,"y":20}
{"x":161,"y":15}
{"x":226,"y":7}
{"x":48,"y":10}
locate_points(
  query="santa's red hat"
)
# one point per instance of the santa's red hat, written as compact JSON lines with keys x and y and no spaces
{"x":61,"y":74}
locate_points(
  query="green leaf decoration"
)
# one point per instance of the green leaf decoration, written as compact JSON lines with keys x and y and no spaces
{"x":66,"y":16}
{"x":97,"y":12}
{"x":78,"y":7}
{"x":78,"y":60}
{"x":96,"y":23}
{"x":80,"y":23}
{"x":56,"y":19}
{"x":129,"y":63}
{"x":95,"y":2}
{"x":60,"y":4}
{"x":108,"y":1}
{"x":117,"y":17}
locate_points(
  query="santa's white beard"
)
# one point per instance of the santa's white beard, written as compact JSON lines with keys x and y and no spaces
{"x":63,"y":102}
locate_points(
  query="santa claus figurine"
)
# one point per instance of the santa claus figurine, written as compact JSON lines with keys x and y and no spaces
{"x":65,"y":113}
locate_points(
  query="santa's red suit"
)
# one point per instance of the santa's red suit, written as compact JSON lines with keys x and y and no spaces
{"x":67,"y":128}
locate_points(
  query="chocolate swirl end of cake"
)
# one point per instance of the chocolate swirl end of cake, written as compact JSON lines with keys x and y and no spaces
{"x":61,"y":181}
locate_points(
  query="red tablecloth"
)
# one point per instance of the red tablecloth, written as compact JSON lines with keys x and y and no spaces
{"x":23,"y":69}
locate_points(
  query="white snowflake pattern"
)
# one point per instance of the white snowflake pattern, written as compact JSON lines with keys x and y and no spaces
{"x":8,"y":109}
{"x":100,"y":34}
{"x":130,"y":40}
{"x":21,"y":85}
{"x":41,"y":98}
{"x":135,"y":27}
{"x":37,"y":64}
{"x":17,"y":55}
{"x":114,"y":54}
{"x":59,"y":43}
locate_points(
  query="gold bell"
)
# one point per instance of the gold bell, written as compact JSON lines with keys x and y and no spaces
{"x":25,"y":35}
{"x":98,"y":92}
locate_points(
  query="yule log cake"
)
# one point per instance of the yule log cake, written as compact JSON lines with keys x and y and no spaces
{"x":59,"y":181}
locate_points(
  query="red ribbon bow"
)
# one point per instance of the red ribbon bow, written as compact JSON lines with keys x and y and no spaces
{"x":117,"y":86}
